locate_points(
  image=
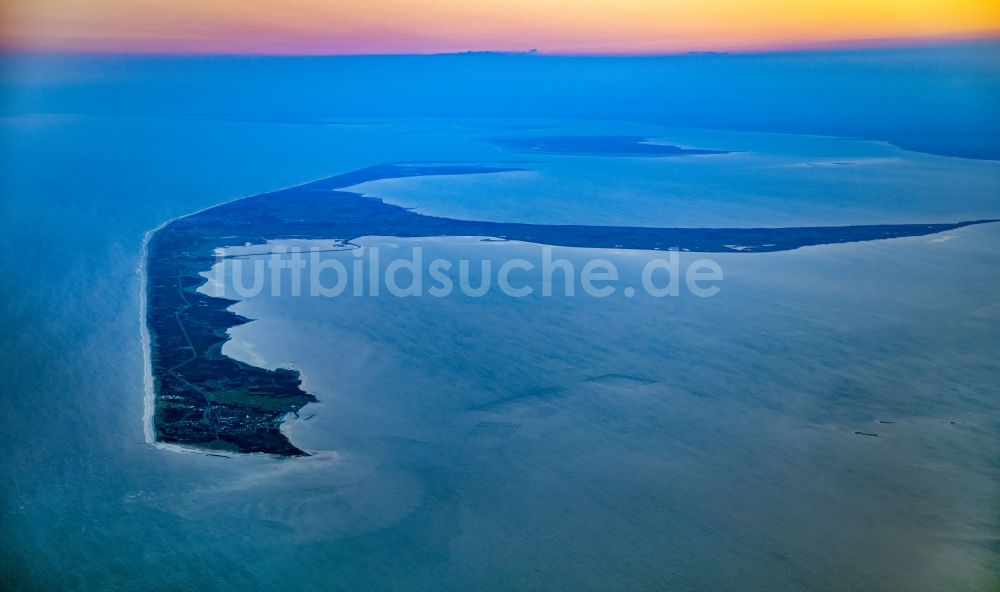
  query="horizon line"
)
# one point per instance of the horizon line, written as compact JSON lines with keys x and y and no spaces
{"x":830,"y":46}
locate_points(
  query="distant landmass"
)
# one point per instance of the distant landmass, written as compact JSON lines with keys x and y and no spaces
{"x":596,"y":146}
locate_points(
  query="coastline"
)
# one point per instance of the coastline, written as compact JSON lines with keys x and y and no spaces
{"x":149,"y":390}
{"x":281,"y":383}
{"x":149,"y":398}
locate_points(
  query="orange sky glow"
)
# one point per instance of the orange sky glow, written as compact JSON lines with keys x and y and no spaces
{"x":431,"y":26}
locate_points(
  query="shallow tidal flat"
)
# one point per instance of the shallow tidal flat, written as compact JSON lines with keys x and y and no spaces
{"x":717,"y":433}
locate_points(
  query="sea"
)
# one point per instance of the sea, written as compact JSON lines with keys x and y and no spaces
{"x":826,"y":420}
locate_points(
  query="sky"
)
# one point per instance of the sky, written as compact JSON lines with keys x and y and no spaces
{"x":319,"y":27}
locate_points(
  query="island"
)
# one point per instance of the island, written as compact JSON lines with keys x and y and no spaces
{"x":204,"y":400}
